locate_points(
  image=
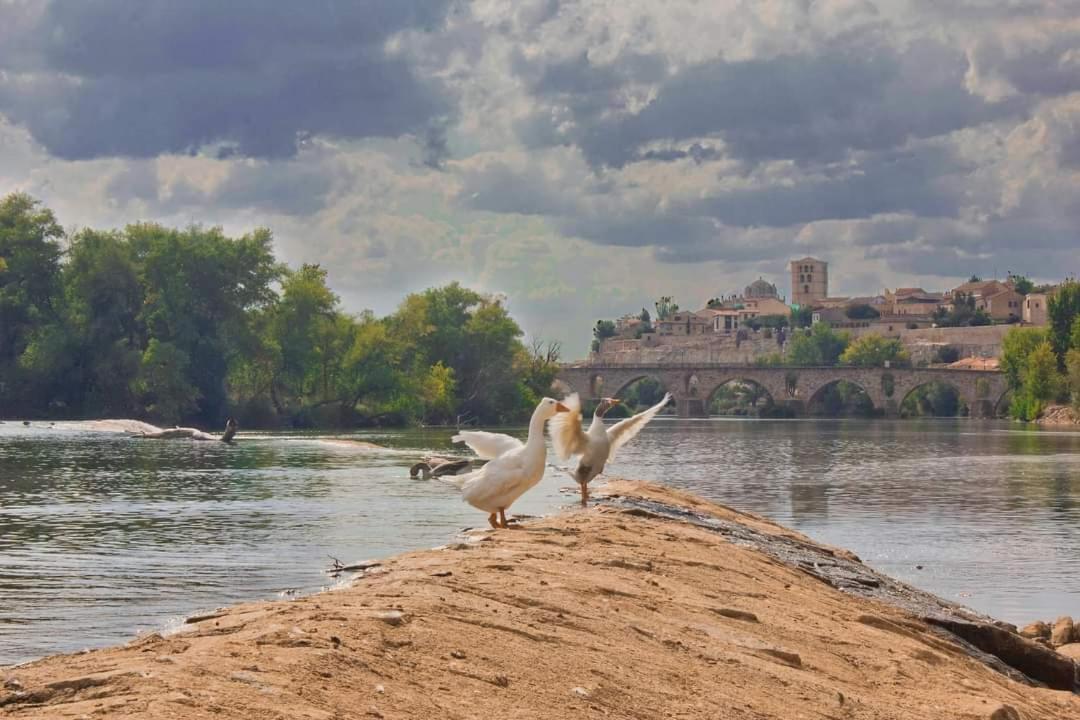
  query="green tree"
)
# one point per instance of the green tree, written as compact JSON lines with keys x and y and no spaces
{"x":1072,"y":375}
{"x":1022,"y":284}
{"x":1016,"y":348}
{"x":802,"y":317}
{"x":1062,"y":309}
{"x":821,"y":346}
{"x":666,"y":307}
{"x":873,"y":350}
{"x":962,"y":313}
{"x":1041,"y":383}
{"x":31,"y":251}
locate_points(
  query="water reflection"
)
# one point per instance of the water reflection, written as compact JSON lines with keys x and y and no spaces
{"x":102,"y":536}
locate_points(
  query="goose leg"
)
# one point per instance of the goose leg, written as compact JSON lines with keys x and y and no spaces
{"x":584,"y":494}
{"x":502,"y":517}
{"x":493,"y":521}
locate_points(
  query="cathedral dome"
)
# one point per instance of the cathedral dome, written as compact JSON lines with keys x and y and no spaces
{"x":760,"y":289}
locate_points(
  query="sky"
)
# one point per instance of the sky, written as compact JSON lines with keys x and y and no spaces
{"x":580,"y":157}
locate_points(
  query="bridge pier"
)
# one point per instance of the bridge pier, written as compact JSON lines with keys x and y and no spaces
{"x":691,"y":408}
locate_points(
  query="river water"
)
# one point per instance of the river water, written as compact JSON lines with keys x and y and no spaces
{"x":102,"y":536}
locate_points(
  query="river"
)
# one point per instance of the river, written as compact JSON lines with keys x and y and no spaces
{"x":102,"y":536}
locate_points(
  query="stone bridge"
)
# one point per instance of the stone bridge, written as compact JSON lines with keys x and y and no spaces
{"x":797,"y":387}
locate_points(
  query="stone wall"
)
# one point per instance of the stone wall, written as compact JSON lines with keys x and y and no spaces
{"x":712,"y":348}
{"x":722,"y":348}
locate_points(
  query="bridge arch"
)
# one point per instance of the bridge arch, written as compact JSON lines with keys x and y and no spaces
{"x":963,"y":401}
{"x":816,"y":398}
{"x":760,"y":396}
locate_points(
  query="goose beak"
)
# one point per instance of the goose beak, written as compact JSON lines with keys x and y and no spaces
{"x":559,"y":407}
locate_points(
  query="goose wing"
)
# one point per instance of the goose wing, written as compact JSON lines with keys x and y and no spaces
{"x":624,"y":431}
{"x":488,"y":445}
{"x":567,"y":435}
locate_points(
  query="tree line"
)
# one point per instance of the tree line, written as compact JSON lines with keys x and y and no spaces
{"x":190,"y":325}
{"x":1043,"y":364}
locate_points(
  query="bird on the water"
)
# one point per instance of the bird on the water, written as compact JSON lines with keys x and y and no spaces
{"x":437,"y":467}
{"x":513,"y":467}
{"x":598,"y":444}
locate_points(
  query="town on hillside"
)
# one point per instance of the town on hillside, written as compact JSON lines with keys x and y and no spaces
{"x":962,"y":327}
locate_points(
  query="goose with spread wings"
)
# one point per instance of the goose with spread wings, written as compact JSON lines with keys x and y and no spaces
{"x":513,"y":467}
{"x":598,"y":444}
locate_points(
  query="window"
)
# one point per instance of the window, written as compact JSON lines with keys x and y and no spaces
{"x":806,"y":288}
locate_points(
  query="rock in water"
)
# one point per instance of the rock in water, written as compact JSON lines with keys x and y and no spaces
{"x":1062,"y":632}
{"x":1037,"y":629}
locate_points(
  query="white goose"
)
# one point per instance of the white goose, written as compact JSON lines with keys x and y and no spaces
{"x":599,"y":443}
{"x":513,"y":466}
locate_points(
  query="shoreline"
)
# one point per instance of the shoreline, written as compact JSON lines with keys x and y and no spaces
{"x":653,"y":602}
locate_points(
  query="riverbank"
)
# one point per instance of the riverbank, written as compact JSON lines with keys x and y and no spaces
{"x":1059,"y":416}
{"x":653,"y":604}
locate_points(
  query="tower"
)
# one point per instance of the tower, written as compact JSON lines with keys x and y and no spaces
{"x":809,"y":281}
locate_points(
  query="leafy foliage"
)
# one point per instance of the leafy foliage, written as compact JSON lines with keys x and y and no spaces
{"x":666,"y":307}
{"x":1041,"y":383}
{"x":962,"y":313}
{"x":1062,"y":310}
{"x":191,"y":325}
{"x":873,"y":350}
{"x":821,"y":346}
{"x":1016,"y":347}
{"x":1023,"y":285}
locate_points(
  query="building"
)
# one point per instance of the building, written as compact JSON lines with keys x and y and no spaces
{"x":998,"y":299}
{"x":686,"y":322}
{"x":1035,"y":309}
{"x":913,"y":301}
{"x":809,"y":281}
{"x":760,"y":288}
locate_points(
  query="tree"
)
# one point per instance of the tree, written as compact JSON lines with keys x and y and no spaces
{"x":1016,"y":347}
{"x":962,"y":313}
{"x":1072,"y":374}
{"x":666,"y":307}
{"x":1041,"y":383}
{"x":974,"y":279}
{"x":803,"y":317}
{"x":1062,"y":309}
{"x":1022,"y":284}
{"x":874,"y":351}
{"x":862,"y":312}
{"x":821,"y":346}
{"x":31,"y":252}
{"x":646,"y":320}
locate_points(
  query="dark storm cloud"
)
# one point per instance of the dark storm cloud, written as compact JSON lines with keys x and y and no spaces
{"x":115,"y":78}
{"x":815,"y":107}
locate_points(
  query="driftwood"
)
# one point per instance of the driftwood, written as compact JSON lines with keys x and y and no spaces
{"x":180,"y":433}
{"x":339,"y":567}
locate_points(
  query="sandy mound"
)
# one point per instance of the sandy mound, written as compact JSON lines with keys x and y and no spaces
{"x":612,"y":612}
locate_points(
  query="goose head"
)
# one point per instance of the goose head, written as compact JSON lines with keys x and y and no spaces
{"x":605,"y":404}
{"x":549,"y":407}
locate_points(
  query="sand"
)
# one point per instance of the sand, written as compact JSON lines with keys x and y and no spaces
{"x":609,"y":612}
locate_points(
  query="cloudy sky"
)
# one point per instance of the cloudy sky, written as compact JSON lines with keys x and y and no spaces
{"x":580,"y":156}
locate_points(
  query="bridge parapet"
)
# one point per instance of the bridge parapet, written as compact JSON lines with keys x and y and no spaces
{"x":692,"y":385}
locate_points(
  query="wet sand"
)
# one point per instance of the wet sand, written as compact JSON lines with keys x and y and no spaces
{"x":652,"y":604}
